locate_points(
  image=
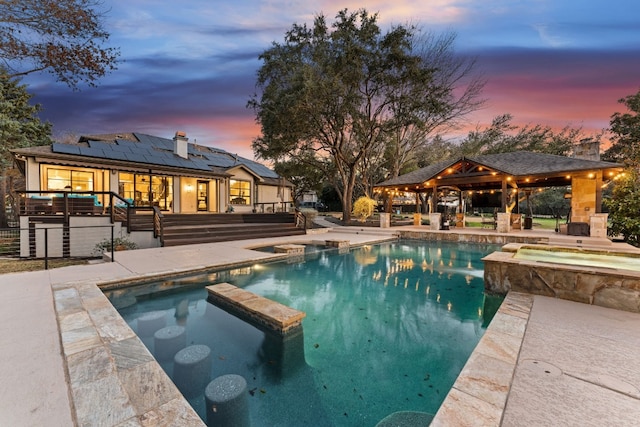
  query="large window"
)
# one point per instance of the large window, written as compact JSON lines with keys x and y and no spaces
{"x":146,"y":190}
{"x":239,"y":192}
{"x":69,"y":179}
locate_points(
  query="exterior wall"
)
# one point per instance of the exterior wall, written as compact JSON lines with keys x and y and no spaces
{"x":32,"y":175}
{"x":187,"y":187}
{"x":583,"y":198}
{"x":271,"y":194}
{"x":53,"y":236}
{"x":223,"y":192}
{"x":85,"y":232}
{"x":188,"y":199}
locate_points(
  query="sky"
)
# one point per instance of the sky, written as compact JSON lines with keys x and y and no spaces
{"x":191,"y":65}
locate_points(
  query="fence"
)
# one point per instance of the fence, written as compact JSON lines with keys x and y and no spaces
{"x":49,"y":241}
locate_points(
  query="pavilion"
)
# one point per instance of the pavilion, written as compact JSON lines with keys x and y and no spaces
{"x":497,"y":180}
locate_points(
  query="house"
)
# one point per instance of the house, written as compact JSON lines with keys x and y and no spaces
{"x":173,"y":174}
{"x":129,"y":185}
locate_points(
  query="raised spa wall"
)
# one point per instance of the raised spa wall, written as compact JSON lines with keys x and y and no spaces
{"x":606,"y":287}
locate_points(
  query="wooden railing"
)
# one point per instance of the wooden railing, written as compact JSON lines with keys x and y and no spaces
{"x":301,"y":219}
{"x":158,"y":229}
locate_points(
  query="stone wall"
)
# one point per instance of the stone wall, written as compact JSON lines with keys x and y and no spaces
{"x":493,"y":239}
{"x":583,"y":199}
{"x":618,"y":289}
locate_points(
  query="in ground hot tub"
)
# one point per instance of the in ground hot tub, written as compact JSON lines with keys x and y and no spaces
{"x":600,"y":277}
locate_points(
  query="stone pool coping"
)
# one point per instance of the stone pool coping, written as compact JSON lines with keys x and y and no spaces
{"x":103,"y":359}
{"x":479,"y":395}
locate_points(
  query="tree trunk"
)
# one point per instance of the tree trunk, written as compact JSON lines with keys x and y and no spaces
{"x":4,"y":222}
{"x":347,"y":196}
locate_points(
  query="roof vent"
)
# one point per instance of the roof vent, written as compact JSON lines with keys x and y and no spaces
{"x":180,"y":144}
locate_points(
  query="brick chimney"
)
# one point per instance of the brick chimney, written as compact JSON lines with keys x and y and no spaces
{"x":180,"y":144}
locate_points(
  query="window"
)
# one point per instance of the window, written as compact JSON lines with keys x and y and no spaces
{"x":146,"y":190}
{"x":239,"y":192}
{"x":69,"y":179}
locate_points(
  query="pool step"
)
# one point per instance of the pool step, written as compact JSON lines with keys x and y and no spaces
{"x":255,"y":309}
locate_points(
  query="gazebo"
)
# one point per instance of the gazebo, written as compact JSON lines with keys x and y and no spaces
{"x":497,"y":179}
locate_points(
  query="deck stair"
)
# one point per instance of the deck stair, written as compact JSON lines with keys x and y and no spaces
{"x":186,"y":229}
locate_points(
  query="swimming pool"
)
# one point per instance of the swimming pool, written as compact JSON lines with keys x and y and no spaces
{"x":388,"y":328}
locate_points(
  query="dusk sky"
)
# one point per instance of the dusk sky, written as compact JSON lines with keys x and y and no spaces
{"x":191,"y":65}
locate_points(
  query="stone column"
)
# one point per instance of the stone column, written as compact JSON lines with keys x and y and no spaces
{"x":417,"y":219}
{"x":385,"y":220}
{"x":503,"y":223}
{"x":434,"y":221}
{"x":598,"y":225}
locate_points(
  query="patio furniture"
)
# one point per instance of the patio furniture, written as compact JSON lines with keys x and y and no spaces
{"x":77,"y":204}
{"x":36,"y":205}
{"x":488,"y":222}
{"x":578,"y":229}
{"x":516,"y":221}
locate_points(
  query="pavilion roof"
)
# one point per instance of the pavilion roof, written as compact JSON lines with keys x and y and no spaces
{"x":538,"y":169}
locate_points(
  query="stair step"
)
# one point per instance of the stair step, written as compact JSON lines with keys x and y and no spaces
{"x":182,"y":240}
{"x":185,"y":229}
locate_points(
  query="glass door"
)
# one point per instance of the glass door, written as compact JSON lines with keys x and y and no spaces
{"x":203,"y":196}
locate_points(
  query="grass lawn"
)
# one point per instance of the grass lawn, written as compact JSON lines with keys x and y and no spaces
{"x":14,"y":265}
{"x":539,"y":223}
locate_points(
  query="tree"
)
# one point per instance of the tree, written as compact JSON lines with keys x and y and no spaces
{"x":304,"y":178}
{"x":625,"y":130}
{"x":19,"y":127}
{"x":624,"y":208}
{"x":63,"y":37}
{"x":502,"y":137}
{"x":624,"y":203}
{"x":453,"y":93}
{"x":334,"y":97}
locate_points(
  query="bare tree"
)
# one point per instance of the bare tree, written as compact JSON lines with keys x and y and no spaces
{"x":64,"y":37}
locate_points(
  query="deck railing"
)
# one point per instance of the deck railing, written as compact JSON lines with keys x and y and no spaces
{"x":47,"y":241}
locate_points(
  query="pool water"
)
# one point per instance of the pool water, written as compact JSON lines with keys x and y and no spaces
{"x":580,"y":257}
{"x":388,"y":328}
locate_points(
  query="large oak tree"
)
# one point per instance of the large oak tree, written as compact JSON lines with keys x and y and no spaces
{"x":337,"y":97}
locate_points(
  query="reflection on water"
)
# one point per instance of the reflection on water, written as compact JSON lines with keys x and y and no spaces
{"x":388,"y":328}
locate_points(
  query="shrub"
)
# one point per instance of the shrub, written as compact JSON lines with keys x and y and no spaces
{"x":119,"y":244}
{"x":624,"y":208}
{"x":363,"y":208}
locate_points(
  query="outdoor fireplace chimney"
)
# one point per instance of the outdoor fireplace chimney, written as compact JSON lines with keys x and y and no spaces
{"x":180,"y":144}
{"x":587,"y":149}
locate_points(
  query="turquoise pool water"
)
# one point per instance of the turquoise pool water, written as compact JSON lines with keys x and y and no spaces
{"x":388,"y":328}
